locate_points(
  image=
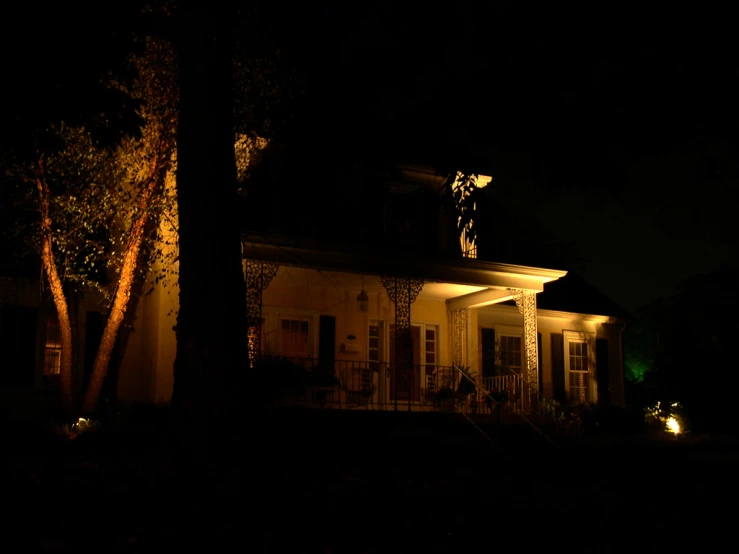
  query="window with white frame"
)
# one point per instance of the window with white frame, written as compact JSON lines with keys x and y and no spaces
{"x":425,"y":334}
{"x":53,"y":348}
{"x":578,"y":379}
{"x":295,"y":337}
{"x":510,"y":353}
{"x":429,"y":342}
{"x":376,"y":339}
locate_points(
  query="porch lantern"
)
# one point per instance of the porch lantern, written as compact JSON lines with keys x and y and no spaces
{"x":363,"y":301}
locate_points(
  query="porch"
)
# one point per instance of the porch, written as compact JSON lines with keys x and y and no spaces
{"x":382,"y":386}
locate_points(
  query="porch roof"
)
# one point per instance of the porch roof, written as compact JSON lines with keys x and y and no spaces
{"x":459,"y":271}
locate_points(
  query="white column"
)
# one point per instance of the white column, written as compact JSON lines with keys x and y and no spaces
{"x":526,"y":302}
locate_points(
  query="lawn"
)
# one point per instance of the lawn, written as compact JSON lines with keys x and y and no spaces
{"x":331,"y":482}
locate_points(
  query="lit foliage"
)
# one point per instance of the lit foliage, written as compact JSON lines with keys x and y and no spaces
{"x":666,"y":416}
{"x":100,"y":206}
{"x":247,"y":150}
{"x":636,"y":368}
{"x":96,"y":193}
{"x":465,"y":200}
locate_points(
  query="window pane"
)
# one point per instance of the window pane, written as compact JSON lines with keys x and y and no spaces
{"x":294,"y":337}
{"x":510,"y":352}
{"x":430,"y":334}
{"x":53,"y":348}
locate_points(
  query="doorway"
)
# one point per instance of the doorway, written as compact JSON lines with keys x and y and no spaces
{"x":399,"y":389}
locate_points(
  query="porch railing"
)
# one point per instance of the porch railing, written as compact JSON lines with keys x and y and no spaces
{"x":525,"y":399}
{"x":356,"y":383}
{"x":376,"y":385}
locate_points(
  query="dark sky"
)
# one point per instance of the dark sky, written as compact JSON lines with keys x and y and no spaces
{"x":610,"y":129}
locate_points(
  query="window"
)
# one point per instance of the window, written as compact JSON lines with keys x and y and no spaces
{"x":430,"y":345}
{"x":53,"y":349}
{"x":423,"y":336}
{"x":295,"y":338}
{"x":510,"y":353}
{"x":374,"y":350}
{"x":578,"y":375}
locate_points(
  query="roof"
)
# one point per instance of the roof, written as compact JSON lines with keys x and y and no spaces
{"x":572,"y":293}
{"x":328,"y":256}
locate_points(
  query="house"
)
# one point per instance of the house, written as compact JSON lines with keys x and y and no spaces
{"x":396,"y":311}
{"x":389,"y":308}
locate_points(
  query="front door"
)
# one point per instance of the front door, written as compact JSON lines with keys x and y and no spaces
{"x":402,"y":389}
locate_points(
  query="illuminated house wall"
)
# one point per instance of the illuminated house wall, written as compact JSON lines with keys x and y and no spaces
{"x":505,"y":320}
{"x":147,"y":368}
{"x":25,"y":313}
{"x":308,"y":294}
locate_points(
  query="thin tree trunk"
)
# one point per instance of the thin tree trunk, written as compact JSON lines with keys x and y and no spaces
{"x":123,"y":291}
{"x":57,"y":291}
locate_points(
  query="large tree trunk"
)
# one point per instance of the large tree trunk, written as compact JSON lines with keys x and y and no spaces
{"x":211,"y":323}
{"x":57,"y":291}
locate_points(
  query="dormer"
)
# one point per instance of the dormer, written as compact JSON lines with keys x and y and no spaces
{"x":417,"y":219}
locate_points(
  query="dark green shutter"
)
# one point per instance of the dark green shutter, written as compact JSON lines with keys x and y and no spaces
{"x":327,"y":342}
{"x":488,"y":352}
{"x":601,"y":371}
{"x":558,"y":367}
{"x":539,"y":363}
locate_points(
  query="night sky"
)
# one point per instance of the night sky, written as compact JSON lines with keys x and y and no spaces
{"x":611,"y":128}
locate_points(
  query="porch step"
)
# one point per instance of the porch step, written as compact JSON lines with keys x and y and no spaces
{"x":429,"y":440}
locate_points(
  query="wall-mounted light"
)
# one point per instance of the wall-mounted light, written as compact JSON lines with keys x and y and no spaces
{"x":363,"y":301}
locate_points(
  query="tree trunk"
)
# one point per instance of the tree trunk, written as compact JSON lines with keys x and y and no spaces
{"x":123,"y":292}
{"x":57,"y":291}
{"x":211,"y":323}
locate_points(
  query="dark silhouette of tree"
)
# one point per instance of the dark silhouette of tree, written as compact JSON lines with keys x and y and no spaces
{"x":680,"y":349}
{"x":211,"y":323}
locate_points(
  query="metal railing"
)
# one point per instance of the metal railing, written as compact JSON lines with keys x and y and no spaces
{"x":364,"y":384}
{"x":356,"y":383}
{"x":526,"y":399}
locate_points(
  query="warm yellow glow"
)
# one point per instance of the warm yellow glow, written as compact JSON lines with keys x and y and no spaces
{"x":673,"y":426}
{"x":445,"y":291}
{"x":253,"y":340}
{"x":469,"y":248}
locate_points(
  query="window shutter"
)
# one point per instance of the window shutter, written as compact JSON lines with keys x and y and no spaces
{"x":487,"y":337}
{"x":539,"y":363}
{"x":558,"y":367}
{"x":327,"y":342}
{"x":601,"y":371}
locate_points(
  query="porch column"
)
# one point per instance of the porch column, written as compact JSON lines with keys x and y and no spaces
{"x":458,"y":325}
{"x":258,"y":276}
{"x":403,"y":292}
{"x":526,"y":302}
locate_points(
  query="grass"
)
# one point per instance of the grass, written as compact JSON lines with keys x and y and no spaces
{"x":362,"y":482}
